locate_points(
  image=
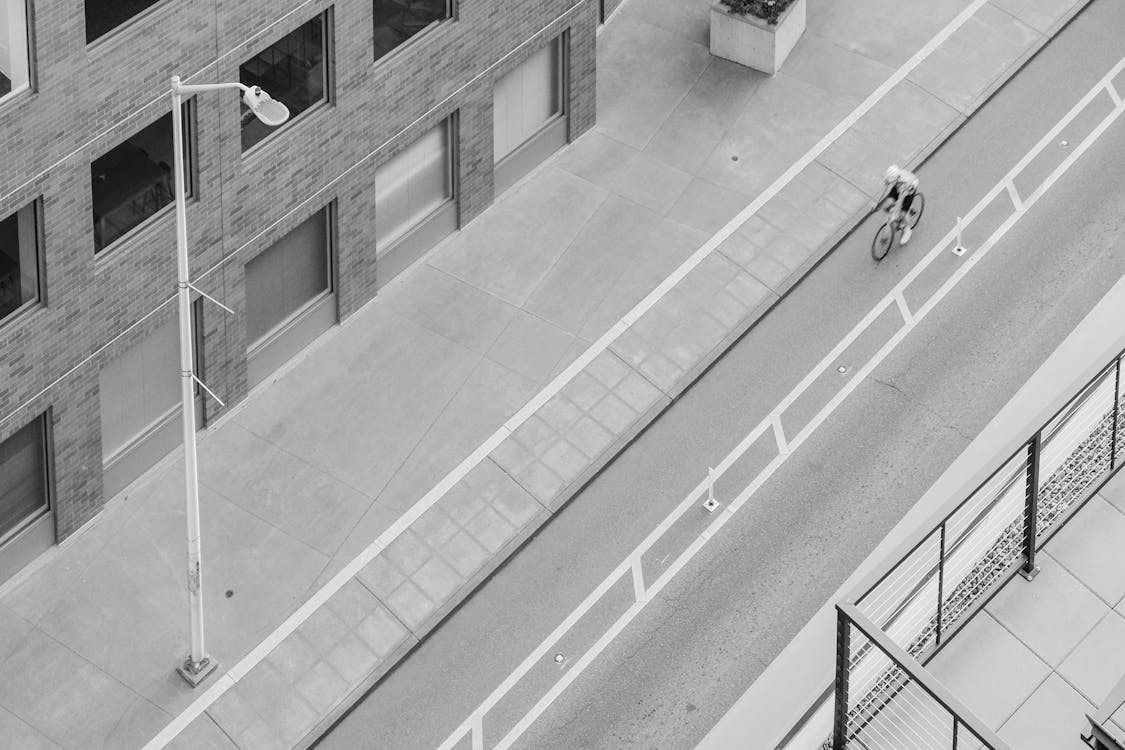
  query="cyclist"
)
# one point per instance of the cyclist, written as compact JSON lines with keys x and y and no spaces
{"x":902,"y":185}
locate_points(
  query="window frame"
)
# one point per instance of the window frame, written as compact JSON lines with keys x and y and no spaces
{"x":187,"y":116}
{"x":38,"y":235}
{"x":44,"y":418}
{"x":452,"y":138}
{"x":562,"y":42}
{"x":107,"y":37}
{"x":270,"y":334}
{"x":28,"y":46}
{"x":451,"y":15}
{"x":327,"y":20}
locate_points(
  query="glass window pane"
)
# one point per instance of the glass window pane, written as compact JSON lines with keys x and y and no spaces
{"x":23,"y":476}
{"x":103,"y":16}
{"x":398,"y":20}
{"x":139,"y":387}
{"x":526,"y":99}
{"x":291,"y":273}
{"x":412,"y":184}
{"x":13,"y":46}
{"x":134,"y":180}
{"x":292,"y":71}
{"x":19,"y":261}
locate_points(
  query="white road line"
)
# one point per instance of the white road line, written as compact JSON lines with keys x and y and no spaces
{"x":1113,"y":94}
{"x":779,"y":433}
{"x":897,"y":296}
{"x":431,"y":497}
{"x":903,"y":308}
{"x":1015,"y":196}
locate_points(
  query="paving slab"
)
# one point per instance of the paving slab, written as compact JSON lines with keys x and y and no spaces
{"x":989,"y":669}
{"x":1051,"y":719}
{"x":1098,"y":661}
{"x":1050,"y":613}
{"x":1089,"y":547}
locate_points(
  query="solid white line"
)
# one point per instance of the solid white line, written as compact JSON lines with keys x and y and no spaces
{"x":779,"y":433}
{"x":896,"y":294}
{"x":1016,"y":200}
{"x":478,"y":733}
{"x":1113,"y":94}
{"x":903,"y":308}
{"x":639,"y":593}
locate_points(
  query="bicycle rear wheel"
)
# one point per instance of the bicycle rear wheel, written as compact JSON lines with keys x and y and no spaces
{"x":916,"y":207}
{"x":882,"y":242}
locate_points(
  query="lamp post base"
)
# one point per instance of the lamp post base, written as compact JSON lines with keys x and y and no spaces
{"x":196,"y":672}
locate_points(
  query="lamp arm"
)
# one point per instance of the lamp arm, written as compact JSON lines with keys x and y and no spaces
{"x":195,"y":88}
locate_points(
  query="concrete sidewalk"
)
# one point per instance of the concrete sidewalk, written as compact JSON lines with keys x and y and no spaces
{"x":350,"y":503}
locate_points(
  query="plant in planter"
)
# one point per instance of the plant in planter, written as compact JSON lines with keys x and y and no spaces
{"x":767,"y":10}
{"x":759,"y":34}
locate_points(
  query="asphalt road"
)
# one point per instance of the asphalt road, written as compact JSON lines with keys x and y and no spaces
{"x":691,"y":653}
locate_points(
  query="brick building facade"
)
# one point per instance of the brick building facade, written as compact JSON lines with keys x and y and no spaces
{"x":85,"y":313}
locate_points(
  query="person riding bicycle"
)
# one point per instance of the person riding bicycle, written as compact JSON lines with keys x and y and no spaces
{"x":902,"y":185}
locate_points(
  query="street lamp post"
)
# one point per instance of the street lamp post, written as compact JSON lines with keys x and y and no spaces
{"x":198,"y":665}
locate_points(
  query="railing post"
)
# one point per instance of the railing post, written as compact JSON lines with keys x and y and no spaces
{"x":955,"y":725}
{"x":1113,"y":433}
{"x":1034,"y":448}
{"x":843,"y":659}
{"x":940,"y":582}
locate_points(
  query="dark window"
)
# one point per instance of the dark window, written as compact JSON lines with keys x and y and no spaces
{"x":134,"y":180}
{"x":19,"y":261}
{"x":398,"y":20}
{"x":23,"y":477}
{"x":288,"y":276}
{"x":293,"y":71}
{"x":103,"y":16}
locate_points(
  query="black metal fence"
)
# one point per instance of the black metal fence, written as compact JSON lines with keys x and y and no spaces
{"x":885,"y":698}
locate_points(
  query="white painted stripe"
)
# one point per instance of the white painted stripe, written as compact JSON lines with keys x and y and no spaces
{"x":639,"y":593}
{"x":772,"y":420}
{"x":903,"y":308}
{"x":1116,"y":97}
{"x":478,"y":733}
{"x":779,"y":433}
{"x":1016,"y":200}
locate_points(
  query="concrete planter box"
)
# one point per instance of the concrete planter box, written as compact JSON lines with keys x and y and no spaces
{"x":752,"y":42}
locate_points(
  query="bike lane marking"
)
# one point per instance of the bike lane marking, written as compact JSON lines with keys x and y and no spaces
{"x":227,"y":680}
{"x":474,"y":724}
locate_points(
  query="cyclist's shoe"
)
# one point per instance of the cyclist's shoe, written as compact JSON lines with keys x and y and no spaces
{"x":906,"y":232}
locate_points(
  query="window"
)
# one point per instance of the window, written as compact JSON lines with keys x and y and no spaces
{"x":13,"y":47}
{"x":293,"y":70}
{"x":19,"y":261}
{"x":140,"y":388}
{"x":23,"y":478}
{"x":413,"y":184}
{"x":526,"y":99}
{"x":103,"y":16}
{"x":284,"y":279}
{"x":398,"y":20}
{"x":133,"y":181}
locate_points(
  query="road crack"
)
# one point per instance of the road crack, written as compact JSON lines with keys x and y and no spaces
{"x":942,"y":420}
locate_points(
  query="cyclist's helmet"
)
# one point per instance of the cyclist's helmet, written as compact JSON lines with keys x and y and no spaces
{"x":891,"y":174}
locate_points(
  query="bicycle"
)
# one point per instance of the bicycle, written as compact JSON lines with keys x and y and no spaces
{"x":885,"y":236}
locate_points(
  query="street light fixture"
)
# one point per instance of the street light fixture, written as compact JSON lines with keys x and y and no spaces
{"x":198,"y":665}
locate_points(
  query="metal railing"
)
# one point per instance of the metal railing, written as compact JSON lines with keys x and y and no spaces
{"x":947,"y":572}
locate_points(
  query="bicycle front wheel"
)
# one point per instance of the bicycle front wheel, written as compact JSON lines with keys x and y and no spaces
{"x":882,"y":242}
{"x":915,"y":212}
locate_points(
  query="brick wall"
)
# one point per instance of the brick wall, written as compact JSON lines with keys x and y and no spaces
{"x":87,"y":99}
